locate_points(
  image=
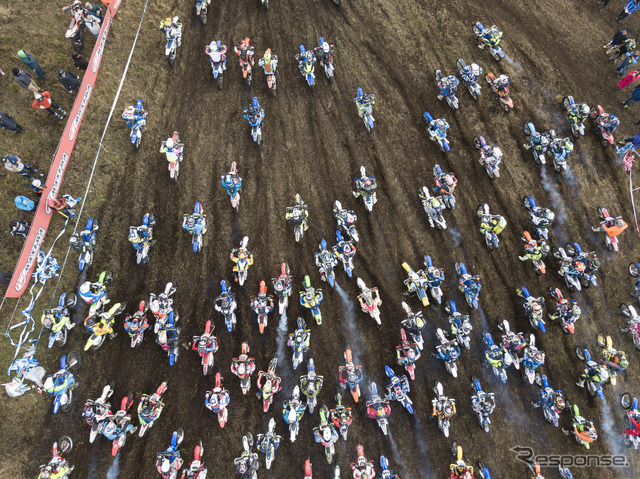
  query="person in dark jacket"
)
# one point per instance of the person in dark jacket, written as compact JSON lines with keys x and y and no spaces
{"x":19,"y":228}
{"x":79,"y":62}
{"x":618,"y":39}
{"x":14,"y":164}
{"x":8,"y":123}
{"x":25,"y":79}
{"x":31,"y":63}
{"x":635,"y":96}
{"x":70,"y":81}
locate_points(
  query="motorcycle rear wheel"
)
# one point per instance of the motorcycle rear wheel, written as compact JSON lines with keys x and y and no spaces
{"x":625,"y":400}
{"x":495,"y":55}
{"x":580,"y":353}
{"x":65,"y":445}
{"x":633,"y":270}
{"x":477,"y":142}
{"x":73,"y":360}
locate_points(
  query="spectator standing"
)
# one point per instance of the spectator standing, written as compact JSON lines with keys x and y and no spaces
{"x":8,"y":123}
{"x":43,"y":102}
{"x":25,"y":79}
{"x":629,"y":78}
{"x":79,"y":62}
{"x":635,"y":96}
{"x":70,"y":81}
{"x":629,"y":8}
{"x":15,"y":164}
{"x":31,"y":63}
{"x":37,"y":186}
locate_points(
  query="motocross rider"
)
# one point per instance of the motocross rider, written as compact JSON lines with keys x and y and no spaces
{"x":561,"y":147}
{"x":311,"y":384}
{"x":433,"y":205}
{"x":254,"y":115}
{"x":438,"y":127}
{"x":491,"y":37}
{"x":501,"y":85}
{"x":369,"y":295}
{"x":533,"y":305}
{"x":245,"y":52}
{"x":578,"y":112}
{"x":443,"y":407}
{"x":470,"y":284}
{"x":538,"y":141}
{"x":247,"y":464}
{"x":535,"y":250}
{"x":195,"y":223}
{"x":615,"y":360}
{"x":150,"y":405}
{"x":583,"y":429}
{"x":216,"y":399}
{"x":484,"y":403}
{"x":612,"y":227}
{"x":267,"y":442}
{"x":365,"y":186}
{"x":226,"y":301}
{"x":349,"y":373}
{"x":262,"y":303}
{"x":471,"y":73}
{"x":364,"y":101}
{"x":550,"y":399}
{"x":325,"y":260}
{"x":532,"y":357}
{"x":344,"y":217}
{"x":435,"y":276}
{"x":448,"y":351}
{"x":407,"y":352}
{"x":414,"y":323}
{"x":495,"y":356}
{"x":303,"y":58}
{"x":172,"y":149}
{"x":492,"y":223}
{"x":166,"y":26}
{"x":64,"y":205}
{"x":300,"y":336}
{"x":445,"y":184}
{"x":135,"y":118}
{"x":459,"y":469}
{"x":592,"y":372}
{"x":105,"y":322}
{"x":172,"y":464}
{"x":139,"y":236}
{"x":325,"y":52}
{"x":569,"y":315}
{"x":269,"y":62}
{"x":57,"y":468}
{"x":363,"y":469}
{"x":52,"y":317}
{"x":447,"y":86}
{"x":210,"y":342}
{"x":298,"y":213}
{"x":607,"y":122}
{"x":344,"y":250}
{"x":240,"y":254}
{"x":272,"y":379}
{"x":541,"y":217}
{"x":222,"y":50}
{"x":512,"y":341}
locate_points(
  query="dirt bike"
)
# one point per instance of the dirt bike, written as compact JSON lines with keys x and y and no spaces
{"x":369,"y":194}
{"x":326,"y":262}
{"x":226,"y":305}
{"x":262,"y":305}
{"x":97,"y":411}
{"x":433,"y":207}
{"x":312,"y":387}
{"x":76,"y":27}
{"x":243,"y":367}
{"x":307,"y":67}
{"x":233,"y":189}
{"x":449,"y":199}
{"x":490,"y":162}
{"x":176,"y":159}
{"x":310,"y":298}
{"x":452,"y":100}
{"x":346,"y":221}
{"x":538,"y":264}
{"x":444,"y":417}
{"x":168,"y":339}
{"x":365,"y":110}
{"x":148,"y":418}
{"x":572,"y":311}
{"x":460,"y":325}
{"x":282,"y":288}
{"x":480,"y":404}
{"x":218,"y":61}
{"x":450,"y":360}
{"x":62,"y":384}
{"x":503,"y":97}
{"x":326,"y":434}
{"x":197,"y":228}
{"x":510,"y":349}
{"x":217,"y":401}
{"x":271,"y":385}
{"x":136,"y":325}
{"x":98,"y":332}
{"x":341,"y":417}
{"x":292,"y":413}
{"x":57,"y":322}
{"x":495,"y":51}
{"x":416,"y":283}
{"x":299,"y":342}
{"x":473,"y":86}
{"x":196,"y":470}
{"x":594,"y":388}
{"x":550,"y":409}
{"x":577,"y":123}
{"x":435,"y":277}
{"x":633,"y":327}
{"x":539,"y":148}
{"x":407,"y":354}
{"x":58,"y":467}
{"x":206,"y":345}
{"x":535,"y":316}
{"x":491,"y":239}
{"x":631,"y":422}
{"x":541,"y":224}
{"x":201,"y":10}
{"x":256,"y":127}
{"x":436,"y":135}
{"x":327,"y":65}
{"x":143,"y":245}
{"x":350,"y":375}
{"x":369,"y":300}
{"x":84,"y":247}
{"x":378,"y":408}
{"x":606,"y":137}
{"x":116,"y":427}
{"x":610,"y":232}
{"x":241,"y":269}
{"x":471,"y":295}
{"x":398,"y":388}
{"x":268,"y":443}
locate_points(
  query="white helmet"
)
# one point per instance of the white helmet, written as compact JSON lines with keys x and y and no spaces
{"x":166,"y":465}
{"x":475,"y":69}
{"x":169,"y":143}
{"x":325,"y":47}
{"x":175,"y":19}
{"x":213,"y":46}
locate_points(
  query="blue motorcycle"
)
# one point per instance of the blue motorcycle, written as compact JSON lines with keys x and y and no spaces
{"x":485,"y":34}
{"x":398,"y":388}
{"x":496,"y":357}
{"x":232,"y":183}
{"x":61,"y":384}
{"x":482,"y":403}
{"x":386,"y":473}
{"x":307,"y":61}
{"x":437,"y":131}
{"x":468,"y":285}
{"x":365,"y":103}
{"x":196,"y":225}
{"x":255,"y":121}
{"x":344,"y":251}
{"x":326,"y":261}
{"x":137,"y":123}
{"x":448,"y":351}
{"x":85,"y":243}
{"x":483,"y":472}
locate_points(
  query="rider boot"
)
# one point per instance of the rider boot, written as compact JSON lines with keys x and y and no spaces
{"x":580,"y":382}
{"x":522,"y":258}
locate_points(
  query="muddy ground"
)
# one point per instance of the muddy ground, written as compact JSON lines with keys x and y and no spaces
{"x":314,"y":144}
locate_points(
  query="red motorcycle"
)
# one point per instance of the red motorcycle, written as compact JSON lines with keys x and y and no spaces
{"x":206,"y":345}
{"x":77,"y":25}
{"x":135,"y":325}
{"x":262,"y":305}
{"x":604,"y":123}
{"x":631,"y":432}
{"x":217,"y":401}
{"x":243,"y":367}
{"x":407,"y":354}
{"x":270,"y":386}
{"x":567,"y":311}
{"x":197,"y":470}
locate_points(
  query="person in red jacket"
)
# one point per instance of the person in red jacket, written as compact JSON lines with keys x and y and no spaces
{"x":43,"y":102}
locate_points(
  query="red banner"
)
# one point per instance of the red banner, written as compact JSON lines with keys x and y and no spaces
{"x":42,"y":218}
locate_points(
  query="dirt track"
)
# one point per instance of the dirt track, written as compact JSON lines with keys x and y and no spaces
{"x":314,"y":144}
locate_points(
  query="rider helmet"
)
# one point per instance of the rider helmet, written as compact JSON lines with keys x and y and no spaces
{"x":325,"y":47}
{"x":448,"y":179}
{"x":48,"y":384}
{"x":580,"y":266}
{"x":584,"y":109}
{"x":147,"y":410}
{"x":366,"y":182}
{"x":170,"y":143}
{"x":560,"y":404}
{"x":623,"y":362}
{"x":267,"y":55}
{"x":475,"y":69}
{"x":175,"y":20}
{"x":166,"y":465}
{"x":213,"y":46}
